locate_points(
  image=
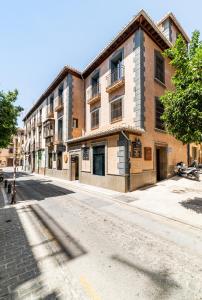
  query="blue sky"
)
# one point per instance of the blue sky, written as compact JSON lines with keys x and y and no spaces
{"x":37,"y":38}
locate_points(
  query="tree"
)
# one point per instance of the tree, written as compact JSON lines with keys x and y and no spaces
{"x":8,"y":116}
{"x":183,"y":106}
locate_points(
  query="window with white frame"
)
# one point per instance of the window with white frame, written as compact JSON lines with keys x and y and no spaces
{"x":116,"y":109}
{"x":95,"y":118}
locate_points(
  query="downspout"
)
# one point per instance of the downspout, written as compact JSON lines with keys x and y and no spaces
{"x":127,"y":160}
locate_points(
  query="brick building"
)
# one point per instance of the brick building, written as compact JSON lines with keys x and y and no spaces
{"x":112,"y":135}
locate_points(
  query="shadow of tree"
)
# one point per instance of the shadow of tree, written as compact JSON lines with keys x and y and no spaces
{"x":194,"y":204}
{"x":160,"y":278}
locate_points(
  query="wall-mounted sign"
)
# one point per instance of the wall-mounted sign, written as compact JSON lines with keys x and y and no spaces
{"x":147,"y":153}
{"x":137,"y":148}
{"x":86,"y":152}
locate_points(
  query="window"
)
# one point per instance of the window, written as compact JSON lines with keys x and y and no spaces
{"x":50,"y":160}
{"x":60,"y":91}
{"x":95,"y":118}
{"x":51,"y":103}
{"x":159,"y":111}
{"x":75,"y":123}
{"x":117,"y":67}
{"x":60,"y":129}
{"x":159,"y":67}
{"x":86,"y":153}
{"x":95,"y":84}
{"x":99,"y":160}
{"x":116,"y":110}
{"x":137,"y":148}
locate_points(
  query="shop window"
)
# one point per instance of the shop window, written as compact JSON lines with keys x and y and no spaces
{"x":116,"y":110}
{"x":99,"y":160}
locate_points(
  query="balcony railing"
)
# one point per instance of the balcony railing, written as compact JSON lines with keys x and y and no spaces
{"x":50,"y":142}
{"x":50,"y":114}
{"x":58,"y":139}
{"x":94,"y":94}
{"x":59,"y":105}
{"x":48,"y":132}
{"x":115,"y":79}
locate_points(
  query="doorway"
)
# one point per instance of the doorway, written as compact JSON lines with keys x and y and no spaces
{"x":161,"y":163}
{"x":33,"y":161}
{"x":74,"y":167}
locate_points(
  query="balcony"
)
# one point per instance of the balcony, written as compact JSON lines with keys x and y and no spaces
{"x":50,"y":114}
{"x":50,"y":142}
{"x":60,"y":104}
{"x":58,"y":139}
{"x":48,"y":132}
{"x":39,"y":121}
{"x":115,"y":79}
{"x":94,"y":94}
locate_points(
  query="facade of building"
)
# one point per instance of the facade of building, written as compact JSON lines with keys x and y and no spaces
{"x":15,"y":148}
{"x":58,"y":115}
{"x":111,"y":134}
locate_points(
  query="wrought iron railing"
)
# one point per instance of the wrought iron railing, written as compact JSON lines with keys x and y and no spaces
{"x":116,"y":75}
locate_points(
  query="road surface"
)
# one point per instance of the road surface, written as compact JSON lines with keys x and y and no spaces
{"x":85,"y":245}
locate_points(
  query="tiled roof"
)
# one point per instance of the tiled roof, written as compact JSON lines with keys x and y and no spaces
{"x":107,"y":132}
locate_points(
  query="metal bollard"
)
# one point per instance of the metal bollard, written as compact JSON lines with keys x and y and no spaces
{"x":5,"y":183}
{"x":9,"y":188}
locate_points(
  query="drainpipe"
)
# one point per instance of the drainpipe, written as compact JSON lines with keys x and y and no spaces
{"x":127,"y":159}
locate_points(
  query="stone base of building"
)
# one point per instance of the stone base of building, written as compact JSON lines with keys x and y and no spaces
{"x":63,"y":174}
{"x":142,"y":179}
{"x":113,"y":182}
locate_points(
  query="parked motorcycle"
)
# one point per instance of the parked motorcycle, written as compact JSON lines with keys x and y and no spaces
{"x":191,"y":172}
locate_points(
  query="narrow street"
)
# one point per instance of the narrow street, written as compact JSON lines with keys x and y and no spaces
{"x":63,"y":242}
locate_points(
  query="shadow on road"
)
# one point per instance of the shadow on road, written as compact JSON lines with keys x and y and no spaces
{"x":160,"y":278}
{"x":68,"y":244}
{"x":194,"y":204}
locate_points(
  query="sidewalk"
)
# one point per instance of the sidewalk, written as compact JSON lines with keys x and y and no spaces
{"x":177,"y":198}
{"x":33,"y":265}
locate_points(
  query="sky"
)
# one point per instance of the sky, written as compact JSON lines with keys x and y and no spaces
{"x":37,"y":38}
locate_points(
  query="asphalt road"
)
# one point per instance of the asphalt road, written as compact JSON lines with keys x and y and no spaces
{"x":113,"y":251}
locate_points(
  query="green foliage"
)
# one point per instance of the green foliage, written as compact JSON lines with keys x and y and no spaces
{"x":183,"y":106}
{"x":8,"y":116}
